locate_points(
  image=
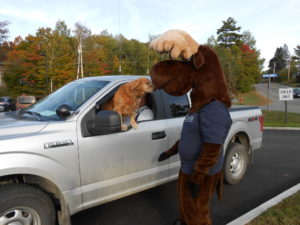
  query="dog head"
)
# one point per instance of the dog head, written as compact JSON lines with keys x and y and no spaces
{"x":201,"y":72}
{"x":141,"y":86}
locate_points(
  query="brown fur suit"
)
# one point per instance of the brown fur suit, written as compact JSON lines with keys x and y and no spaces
{"x":200,"y":71}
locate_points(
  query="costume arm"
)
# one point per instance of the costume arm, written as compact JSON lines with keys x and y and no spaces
{"x":208,"y":157}
{"x":167,"y":154}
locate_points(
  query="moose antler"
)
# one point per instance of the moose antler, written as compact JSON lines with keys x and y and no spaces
{"x":177,"y":42}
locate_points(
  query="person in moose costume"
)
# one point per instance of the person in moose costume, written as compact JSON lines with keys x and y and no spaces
{"x":205,"y":127}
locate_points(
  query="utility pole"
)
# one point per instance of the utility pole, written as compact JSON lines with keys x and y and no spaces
{"x":269,"y":81}
{"x":274,"y":69}
{"x":289,"y":69}
{"x":298,"y":67}
{"x":147,"y":71}
{"x":79,"y":60}
{"x":51,"y":85}
{"x":120,"y":66}
{"x":269,"y":94}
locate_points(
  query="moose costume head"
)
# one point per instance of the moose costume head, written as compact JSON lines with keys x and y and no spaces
{"x":200,"y":70}
{"x":206,"y":126}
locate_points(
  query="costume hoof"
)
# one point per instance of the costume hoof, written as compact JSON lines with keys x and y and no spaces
{"x":178,"y":222}
{"x":163,"y":156}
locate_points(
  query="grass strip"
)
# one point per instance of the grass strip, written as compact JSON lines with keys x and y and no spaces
{"x":252,"y":98}
{"x":277,"y":119}
{"x":286,"y":212}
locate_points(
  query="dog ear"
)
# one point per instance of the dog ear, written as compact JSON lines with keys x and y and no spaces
{"x":135,"y":84}
{"x":198,"y":60}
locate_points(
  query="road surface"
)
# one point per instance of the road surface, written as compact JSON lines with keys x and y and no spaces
{"x":275,"y":169}
{"x":276,"y":105}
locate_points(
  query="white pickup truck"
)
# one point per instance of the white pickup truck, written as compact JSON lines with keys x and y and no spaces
{"x":64,"y":154}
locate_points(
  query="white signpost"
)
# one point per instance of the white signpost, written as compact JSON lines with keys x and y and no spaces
{"x":269,"y":77}
{"x":285,"y":94}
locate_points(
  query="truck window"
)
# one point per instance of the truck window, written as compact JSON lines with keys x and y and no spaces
{"x":177,"y":105}
{"x":74,"y":94}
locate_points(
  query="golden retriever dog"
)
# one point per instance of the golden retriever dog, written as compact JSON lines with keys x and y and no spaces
{"x":127,"y":99}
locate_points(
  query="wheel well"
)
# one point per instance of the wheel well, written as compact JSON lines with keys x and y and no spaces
{"x":243,"y":139}
{"x":47,"y":187}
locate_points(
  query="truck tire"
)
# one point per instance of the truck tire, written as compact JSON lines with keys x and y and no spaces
{"x":25,"y":205}
{"x":235,"y":163}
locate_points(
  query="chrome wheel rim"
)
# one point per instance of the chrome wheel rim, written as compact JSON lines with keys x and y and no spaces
{"x":237,"y":164}
{"x":20,"y":216}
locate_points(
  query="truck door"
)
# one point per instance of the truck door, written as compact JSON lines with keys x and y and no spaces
{"x":176,"y":109}
{"x":122,"y":163}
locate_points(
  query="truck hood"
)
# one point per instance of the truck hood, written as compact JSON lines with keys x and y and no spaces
{"x":14,"y":125}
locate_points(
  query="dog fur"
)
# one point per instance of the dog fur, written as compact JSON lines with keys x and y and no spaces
{"x":127,"y":99}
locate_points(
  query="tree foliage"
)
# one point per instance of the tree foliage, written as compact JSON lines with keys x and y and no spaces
{"x":4,"y":45}
{"x":3,"y":31}
{"x":50,"y":56}
{"x":228,"y":33}
{"x":297,"y":52}
{"x":295,"y":64}
{"x":239,"y":58}
{"x":280,"y":59}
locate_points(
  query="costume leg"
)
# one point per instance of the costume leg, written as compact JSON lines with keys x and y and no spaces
{"x":196,"y":211}
{"x":180,"y":193}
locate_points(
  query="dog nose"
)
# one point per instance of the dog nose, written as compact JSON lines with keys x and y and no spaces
{"x":153,"y":86}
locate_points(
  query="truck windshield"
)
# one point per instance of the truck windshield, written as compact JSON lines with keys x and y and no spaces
{"x":73,"y":94}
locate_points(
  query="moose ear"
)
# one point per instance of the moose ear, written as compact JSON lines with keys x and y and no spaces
{"x":198,"y":60}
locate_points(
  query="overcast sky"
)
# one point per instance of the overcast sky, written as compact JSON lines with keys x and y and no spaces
{"x":272,"y":22}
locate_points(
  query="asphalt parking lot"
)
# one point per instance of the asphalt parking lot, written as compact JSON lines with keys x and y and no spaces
{"x":275,"y":168}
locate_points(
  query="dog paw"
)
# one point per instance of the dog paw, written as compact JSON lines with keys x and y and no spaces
{"x":124,"y":128}
{"x":134,"y":125}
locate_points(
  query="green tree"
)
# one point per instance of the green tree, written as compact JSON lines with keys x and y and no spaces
{"x":212,"y":41}
{"x":228,"y":34}
{"x":239,"y":58}
{"x":248,"y":39}
{"x":81,"y":31}
{"x":295,"y":63}
{"x":62,"y":28}
{"x":297,"y":52}
{"x":5,"y":46}
{"x":41,"y":60}
{"x":59,"y":54}
{"x":280,"y":59}
{"x":3,"y":31}
{"x":22,"y":72}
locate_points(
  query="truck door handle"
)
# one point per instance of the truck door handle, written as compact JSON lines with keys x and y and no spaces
{"x":158,"y":135}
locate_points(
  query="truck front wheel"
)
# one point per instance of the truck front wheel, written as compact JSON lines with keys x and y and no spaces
{"x":25,"y":205}
{"x":235,"y":163}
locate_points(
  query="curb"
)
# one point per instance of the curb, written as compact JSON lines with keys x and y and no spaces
{"x":246,"y":218}
{"x":281,"y":128}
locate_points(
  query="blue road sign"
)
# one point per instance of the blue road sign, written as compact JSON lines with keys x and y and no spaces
{"x":270,"y":75}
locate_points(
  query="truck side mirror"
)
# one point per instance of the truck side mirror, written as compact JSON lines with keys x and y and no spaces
{"x":105,"y":122}
{"x":64,"y":111}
